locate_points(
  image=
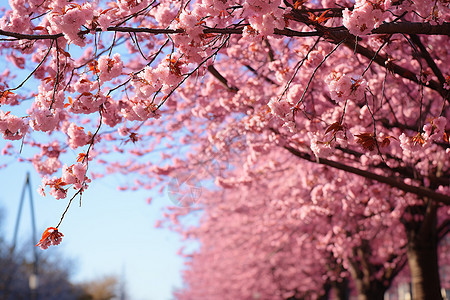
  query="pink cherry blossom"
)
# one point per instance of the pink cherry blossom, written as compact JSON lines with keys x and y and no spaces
{"x":77,"y":136}
{"x":51,"y":236}
{"x":312,"y":136}
{"x":12,"y":127}
{"x":110,"y":68}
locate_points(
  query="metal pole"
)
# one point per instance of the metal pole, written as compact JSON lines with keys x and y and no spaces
{"x":34,"y":278}
{"x":13,"y":247}
{"x":19,"y":213}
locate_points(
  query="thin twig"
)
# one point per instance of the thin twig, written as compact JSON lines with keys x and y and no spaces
{"x":135,"y":14}
{"x":193,"y":71}
{"x":376,"y":54}
{"x":420,"y":79}
{"x":55,"y":86}
{"x":260,"y":75}
{"x":374,"y":126}
{"x":35,"y":69}
{"x":155,"y":55}
{"x":297,"y":68}
{"x":315,"y":71}
{"x":383,"y":88}
{"x":112,"y":44}
{"x":85,"y":158}
{"x":139,"y":47}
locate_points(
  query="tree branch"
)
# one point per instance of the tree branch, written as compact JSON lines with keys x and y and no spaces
{"x":337,"y":34}
{"x":31,"y":36}
{"x":426,"y":55}
{"x":413,"y":28}
{"x":391,"y":181}
{"x":405,"y":171}
{"x":399,"y":70}
{"x":387,"y":28}
{"x":251,"y":69}
{"x":222,"y":79}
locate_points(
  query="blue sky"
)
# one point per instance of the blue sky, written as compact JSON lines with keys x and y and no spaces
{"x":112,"y":233}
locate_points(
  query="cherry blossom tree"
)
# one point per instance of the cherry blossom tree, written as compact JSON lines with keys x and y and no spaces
{"x":301,"y":236}
{"x":355,"y":92}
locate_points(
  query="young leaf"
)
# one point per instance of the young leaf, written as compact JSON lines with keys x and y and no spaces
{"x":366,"y":140}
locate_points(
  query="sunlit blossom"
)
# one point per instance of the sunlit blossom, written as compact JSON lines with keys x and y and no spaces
{"x":51,"y":236}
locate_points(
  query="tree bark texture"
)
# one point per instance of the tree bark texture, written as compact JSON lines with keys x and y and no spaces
{"x":423,"y":256}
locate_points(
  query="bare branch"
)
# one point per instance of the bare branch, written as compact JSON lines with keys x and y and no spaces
{"x":251,"y":69}
{"x":399,"y":70}
{"x":413,"y":28}
{"x":426,"y":55}
{"x":391,"y":181}
{"x":222,"y":79}
{"x":315,"y":71}
{"x":193,"y":71}
{"x":35,"y":69}
{"x":31,"y":36}
{"x":387,"y":28}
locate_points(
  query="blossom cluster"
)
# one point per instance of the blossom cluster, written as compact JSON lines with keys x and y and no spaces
{"x":432,"y":132}
{"x":283,"y":110}
{"x":16,"y":19}
{"x":345,"y":87}
{"x":46,"y":166}
{"x":74,"y":175}
{"x":51,"y":236}
{"x":43,"y":119}
{"x":12,"y":127}
{"x":264,"y":16}
{"x":365,"y":16}
{"x":7,"y":97}
{"x":77,"y":136}
{"x":69,"y":18}
{"x":47,"y":162}
{"x":110,"y":68}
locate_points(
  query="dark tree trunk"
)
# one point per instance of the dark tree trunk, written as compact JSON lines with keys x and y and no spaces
{"x":326,"y":292}
{"x":373,"y":290}
{"x":363,"y":272}
{"x":341,"y":289}
{"x":422,"y":254}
